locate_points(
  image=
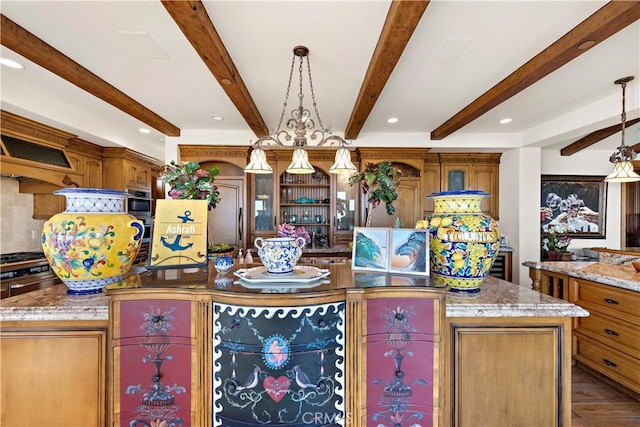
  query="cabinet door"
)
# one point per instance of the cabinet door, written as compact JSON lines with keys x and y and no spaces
{"x":278,"y":365}
{"x":485,"y":178}
{"x":53,"y":378}
{"x":431,"y":184}
{"x":408,"y":206}
{"x":137,"y":175}
{"x":455,"y":177}
{"x":154,"y":358}
{"x":402,"y":360}
{"x":524,"y":389}
{"x":93,"y":173}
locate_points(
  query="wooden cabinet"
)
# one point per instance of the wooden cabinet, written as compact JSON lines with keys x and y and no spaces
{"x":53,"y":376}
{"x":410,"y":204}
{"x":154,"y":366}
{"x":401,"y":339}
{"x":502,"y":267}
{"x":323,"y":203}
{"x":550,"y":283}
{"x":464,"y":171}
{"x":609,"y":339}
{"x":225,"y":357}
{"x":287,"y":358}
{"x":510,"y":369}
{"x":124,"y":169}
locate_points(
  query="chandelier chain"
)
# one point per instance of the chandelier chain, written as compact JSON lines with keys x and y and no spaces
{"x":286,"y":97}
{"x":313,"y":96}
{"x":624,"y":114}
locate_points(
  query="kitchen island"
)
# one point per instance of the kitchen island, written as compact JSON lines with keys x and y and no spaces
{"x":359,"y":347}
{"x":608,"y":341}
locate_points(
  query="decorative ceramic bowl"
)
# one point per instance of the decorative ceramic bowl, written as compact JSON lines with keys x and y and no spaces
{"x":279,"y":254}
{"x":223,"y":264}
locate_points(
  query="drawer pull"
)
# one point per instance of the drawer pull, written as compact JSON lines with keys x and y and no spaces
{"x":399,"y":374}
{"x":610,"y":363}
{"x":611,"y":301}
{"x":155,"y":378}
{"x":322,"y":323}
{"x":235,"y":322}
{"x":610,"y":332}
{"x":157,"y":319}
{"x":399,"y":316}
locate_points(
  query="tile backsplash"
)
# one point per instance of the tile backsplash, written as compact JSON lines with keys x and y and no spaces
{"x":19,"y":232}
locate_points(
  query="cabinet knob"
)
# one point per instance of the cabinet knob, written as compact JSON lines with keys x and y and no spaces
{"x":399,"y":374}
{"x":611,"y":301}
{"x":610,"y":332}
{"x":155,"y":378}
{"x":322,"y":323}
{"x":157,"y":319}
{"x":399,"y":316}
{"x":234,"y":322}
{"x":610,"y":363}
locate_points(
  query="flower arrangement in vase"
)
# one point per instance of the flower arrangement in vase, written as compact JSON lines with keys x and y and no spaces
{"x":555,"y":243}
{"x":288,"y":230}
{"x":190,"y":181}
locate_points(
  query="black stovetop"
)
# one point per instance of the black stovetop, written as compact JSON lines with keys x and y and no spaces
{"x":20,"y":257}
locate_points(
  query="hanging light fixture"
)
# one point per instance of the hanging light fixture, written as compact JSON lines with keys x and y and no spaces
{"x":300,"y":122}
{"x":622,"y":157}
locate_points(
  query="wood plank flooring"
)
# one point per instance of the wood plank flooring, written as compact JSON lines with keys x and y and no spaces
{"x":597,"y":404}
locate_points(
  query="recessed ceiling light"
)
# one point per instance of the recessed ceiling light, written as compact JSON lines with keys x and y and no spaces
{"x":143,"y":130}
{"x":505,"y":121}
{"x":392,"y":120}
{"x":586,"y":45}
{"x":11,"y":64}
{"x":217,"y":118}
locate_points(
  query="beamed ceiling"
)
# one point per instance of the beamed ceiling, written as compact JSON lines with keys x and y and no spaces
{"x":449,"y":70}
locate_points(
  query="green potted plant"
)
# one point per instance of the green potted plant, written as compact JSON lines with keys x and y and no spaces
{"x":189,"y":181}
{"x":378,"y":182}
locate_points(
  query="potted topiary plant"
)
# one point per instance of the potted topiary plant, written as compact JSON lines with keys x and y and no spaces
{"x":379,"y":182}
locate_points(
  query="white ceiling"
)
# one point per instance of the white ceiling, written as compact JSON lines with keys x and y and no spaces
{"x":341,"y":35}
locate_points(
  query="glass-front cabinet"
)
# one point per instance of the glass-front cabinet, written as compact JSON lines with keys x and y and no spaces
{"x":263,"y":220}
{"x":323,"y":203}
{"x":345,"y":209}
{"x":305,"y":201}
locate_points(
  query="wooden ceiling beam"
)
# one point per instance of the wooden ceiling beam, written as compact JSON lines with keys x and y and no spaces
{"x":594,"y":137}
{"x":22,"y":42}
{"x":194,"y":22}
{"x":608,"y":20}
{"x":401,"y":21}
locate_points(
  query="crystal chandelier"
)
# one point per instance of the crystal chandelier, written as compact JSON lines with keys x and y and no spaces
{"x":300,"y":122}
{"x":622,"y":157}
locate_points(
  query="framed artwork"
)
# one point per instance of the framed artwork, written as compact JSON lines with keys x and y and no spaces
{"x":370,"y":248}
{"x":179,"y":234}
{"x":574,"y":205}
{"x":409,"y":251}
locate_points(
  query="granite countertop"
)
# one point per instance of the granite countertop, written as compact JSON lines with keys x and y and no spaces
{"x":497,"y":298}
{"x":620,"y":276}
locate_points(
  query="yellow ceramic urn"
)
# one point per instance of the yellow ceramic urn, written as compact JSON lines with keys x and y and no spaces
{"x":94,"y":242}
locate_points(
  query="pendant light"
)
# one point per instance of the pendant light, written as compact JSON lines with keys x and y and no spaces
{"x":622,"y":157}
{"x":299,"y":123}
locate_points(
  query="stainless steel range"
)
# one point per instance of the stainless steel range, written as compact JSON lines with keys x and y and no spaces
{"x":22,"y":272}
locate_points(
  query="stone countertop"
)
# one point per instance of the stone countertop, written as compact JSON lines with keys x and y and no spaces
{"x":497,"y":298}
{"x":620,"y":276}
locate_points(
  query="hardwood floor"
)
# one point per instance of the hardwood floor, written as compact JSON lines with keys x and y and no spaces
{"x":596,"y":404}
